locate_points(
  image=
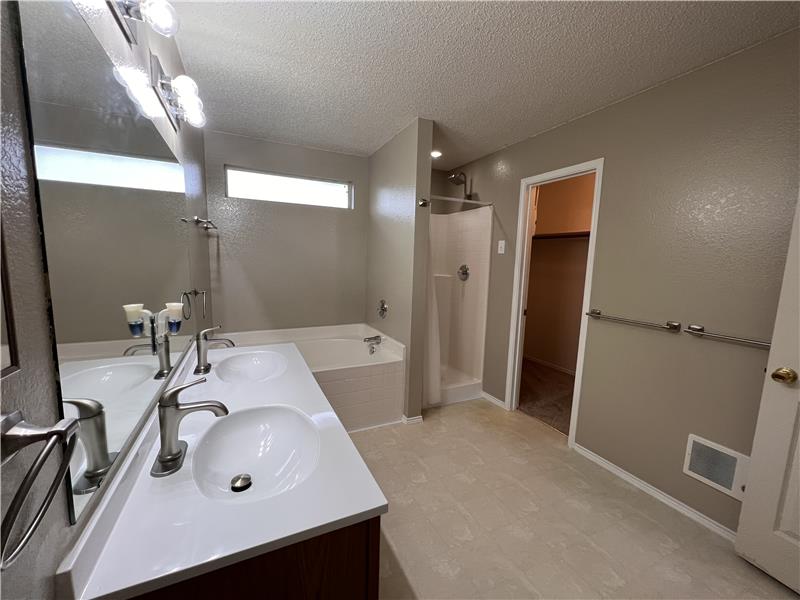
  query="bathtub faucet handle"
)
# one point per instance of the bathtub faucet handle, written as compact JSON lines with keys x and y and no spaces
{"x":373,"y":341}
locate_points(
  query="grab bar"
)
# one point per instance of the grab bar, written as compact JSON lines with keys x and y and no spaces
{"x":700,"y":331}
{"x":16,"y":434}
{"x":672,"y":326}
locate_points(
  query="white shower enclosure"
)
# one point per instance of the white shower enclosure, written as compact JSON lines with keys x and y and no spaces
{"x":458,"y":287}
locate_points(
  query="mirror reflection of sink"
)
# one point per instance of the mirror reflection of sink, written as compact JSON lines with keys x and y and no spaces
{"x":107,"y":381}
{"x":277,"y":446}
{"x":252,"y":366}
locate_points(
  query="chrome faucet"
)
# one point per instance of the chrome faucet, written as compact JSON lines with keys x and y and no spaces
{"x":203,"y":366}
{"x":92,"y":434}
{"x":170,"y":413}
{"x":131,"y":350}
{"x":158,"y":346}
{"x":373,"y":342}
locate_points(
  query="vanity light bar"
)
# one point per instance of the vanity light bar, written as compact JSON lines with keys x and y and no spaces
{"x":179,"y":96}
{"x":158,"y":14}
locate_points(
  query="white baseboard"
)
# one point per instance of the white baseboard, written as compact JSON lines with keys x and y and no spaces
{"x":550,"y":365}
{"x":373,"y":426}
{"x":656,"y":493}
{"x":494,"y":400}
{"x":464,"y":398}
{"x":410,"y":420}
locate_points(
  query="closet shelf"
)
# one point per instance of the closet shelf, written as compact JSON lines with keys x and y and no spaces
{"x":565,"y":234}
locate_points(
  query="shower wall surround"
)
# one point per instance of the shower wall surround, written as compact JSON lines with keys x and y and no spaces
{"x":461,"y":238}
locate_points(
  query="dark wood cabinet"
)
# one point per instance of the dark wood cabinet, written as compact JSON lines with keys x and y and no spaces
{"x":335,"y":565}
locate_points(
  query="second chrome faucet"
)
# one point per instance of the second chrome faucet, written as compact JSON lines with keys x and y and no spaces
{"x":170,"y":413}
{"x":202,"y":343}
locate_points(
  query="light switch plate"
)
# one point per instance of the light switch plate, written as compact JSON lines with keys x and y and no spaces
{"x":501,"y":247}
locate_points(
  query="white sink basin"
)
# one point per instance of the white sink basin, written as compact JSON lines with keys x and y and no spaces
{"x":252,"y":366}
{"x":100,"y":383}
{"x":277,"y":446}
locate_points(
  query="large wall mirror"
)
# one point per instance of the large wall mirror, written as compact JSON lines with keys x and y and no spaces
{"x":112,"y":196}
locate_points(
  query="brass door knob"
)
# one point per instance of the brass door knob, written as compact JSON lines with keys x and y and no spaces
{"x":784,"y":375}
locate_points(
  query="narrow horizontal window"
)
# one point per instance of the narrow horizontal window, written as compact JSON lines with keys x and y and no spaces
{"x":252,"y":185}
{"x":96,"y":168}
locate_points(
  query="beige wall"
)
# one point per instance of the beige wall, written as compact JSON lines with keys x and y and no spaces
{"x":397,"y":253}
{"x":555,"y":299}
{"x":699,"y":182}
{"x":107,"y":247}
{"x":279,"y":265}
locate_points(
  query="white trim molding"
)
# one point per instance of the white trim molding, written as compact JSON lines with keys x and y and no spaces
{"x":656,"y":493}
{"x":374,"y":426}
{"x":549,"y":365}
{"x":410,"y":420}
{"x":494,"y":400}
{"x":522,"y":254}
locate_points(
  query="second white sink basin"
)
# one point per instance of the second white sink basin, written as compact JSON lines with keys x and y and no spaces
{"x":252,"y":366}
{"x":101,"y":383}
{"x":276,"y":446}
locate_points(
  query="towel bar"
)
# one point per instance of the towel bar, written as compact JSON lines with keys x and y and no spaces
{"x":672,"y":326}
{"x":700,"y":331}
{"x":16,"y":434}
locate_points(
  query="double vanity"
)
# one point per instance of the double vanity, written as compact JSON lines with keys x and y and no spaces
{"x":272,"y":495}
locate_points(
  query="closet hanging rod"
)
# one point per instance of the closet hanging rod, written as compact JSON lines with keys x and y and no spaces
{"x":700,"y":331}
{"x":672,"y":326}
{"x":448,"y":199}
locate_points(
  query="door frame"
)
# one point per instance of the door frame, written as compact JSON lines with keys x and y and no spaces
{"x":523,"y":252}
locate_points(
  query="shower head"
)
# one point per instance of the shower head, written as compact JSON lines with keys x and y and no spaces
{"x":457,"y":178}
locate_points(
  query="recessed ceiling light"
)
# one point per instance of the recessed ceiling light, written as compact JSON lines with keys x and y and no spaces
{"x":435,"y":153}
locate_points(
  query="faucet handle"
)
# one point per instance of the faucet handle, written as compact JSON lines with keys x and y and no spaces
{"x":170,"y":396}
{"x":202,"y":335}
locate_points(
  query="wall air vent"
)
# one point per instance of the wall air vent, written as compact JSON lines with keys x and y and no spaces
{"x":720,"y":467}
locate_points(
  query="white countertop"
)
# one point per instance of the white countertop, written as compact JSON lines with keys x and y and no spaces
{"x":167,"y":530}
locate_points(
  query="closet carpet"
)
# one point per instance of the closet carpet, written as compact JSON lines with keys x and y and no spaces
{"x":546,"y":394}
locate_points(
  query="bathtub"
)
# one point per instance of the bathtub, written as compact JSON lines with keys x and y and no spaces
{"x":366,"y":390}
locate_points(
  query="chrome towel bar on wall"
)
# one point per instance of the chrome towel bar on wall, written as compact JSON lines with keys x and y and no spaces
{"x":700,"y":331}
{"x":672,"y":326}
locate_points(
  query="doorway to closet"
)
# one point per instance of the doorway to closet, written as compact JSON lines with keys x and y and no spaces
{"x":560,"y":220}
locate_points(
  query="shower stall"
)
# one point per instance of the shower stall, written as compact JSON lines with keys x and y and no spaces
{"x":458,"y":286}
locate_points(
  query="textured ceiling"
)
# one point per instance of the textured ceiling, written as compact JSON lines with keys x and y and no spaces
{"x":65,"y":63}
{"x":348,"y":76}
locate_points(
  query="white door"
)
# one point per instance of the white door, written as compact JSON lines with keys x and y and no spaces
{"x":769,"y":526}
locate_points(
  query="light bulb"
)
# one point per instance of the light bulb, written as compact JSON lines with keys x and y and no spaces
{"x":184,"y":86}
{"x":190,"y":104}
{"x":195,"y":118}
{"x":160,"y":15}
{"x":436,"y":153}
{"x":137,"y":86}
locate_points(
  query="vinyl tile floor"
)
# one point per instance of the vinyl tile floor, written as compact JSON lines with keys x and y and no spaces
{"x":486,"y":503}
